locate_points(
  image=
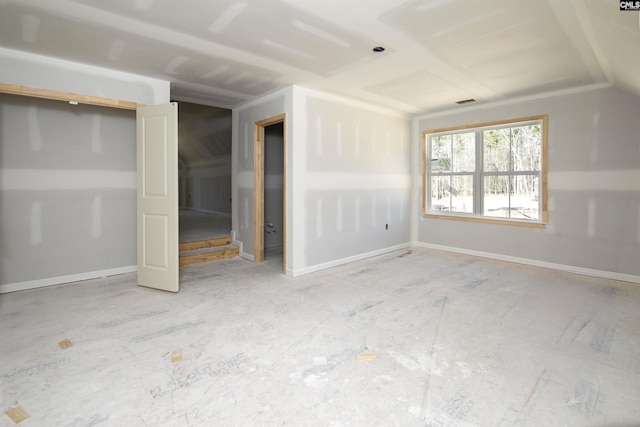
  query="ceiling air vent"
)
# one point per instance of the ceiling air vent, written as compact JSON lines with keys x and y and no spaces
{"x":466,"y":101}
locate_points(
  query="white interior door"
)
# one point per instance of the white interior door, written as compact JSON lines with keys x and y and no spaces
{"x":157,"y":217}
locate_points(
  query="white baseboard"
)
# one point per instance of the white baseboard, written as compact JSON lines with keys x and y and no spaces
{"x":239,"y":244}
{"x":335,"y":263}
{"x":50,"y":281}
{"x":535,"y":263}
{"x":247,"y":255}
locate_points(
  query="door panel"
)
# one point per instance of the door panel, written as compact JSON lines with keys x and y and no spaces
{"x":157,"y":217}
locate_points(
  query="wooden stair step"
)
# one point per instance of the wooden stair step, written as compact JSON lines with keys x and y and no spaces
{"x":208,"y":254}
{"x":201,"y":244}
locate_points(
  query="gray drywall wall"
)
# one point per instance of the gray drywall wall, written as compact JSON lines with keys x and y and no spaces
{"x":67,"y":189}
{"x":354,"y":172}
{"x":209,"y":186}
{"x":243,"y":121}
{"x":594,"y":184}
{"x":273,"y":185}
{"x":347,"y":177}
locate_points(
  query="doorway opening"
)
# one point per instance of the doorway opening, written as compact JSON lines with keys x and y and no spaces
{"x":270,"y":201}
{"x":204,"y":172}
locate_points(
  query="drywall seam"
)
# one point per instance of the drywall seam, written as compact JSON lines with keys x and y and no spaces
{"x":96,"y":216}
{"x":33,"y":127}
{"x":36,"y":223}
{"x":638,"y":229}
{"x":54,"y":179}
{"x":354,"y":103}
{"x":356,"y":181}
{"x":523,"y":99}
{"x":60,"y":280}
{"x":535,"y":263}
{"x":604,"y":180}
{"x":338,"y":262}
{"x":96,"y":141}
{"x":263,"y":99}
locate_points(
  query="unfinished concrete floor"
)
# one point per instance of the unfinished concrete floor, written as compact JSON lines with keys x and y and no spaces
{"x":407,"y":339}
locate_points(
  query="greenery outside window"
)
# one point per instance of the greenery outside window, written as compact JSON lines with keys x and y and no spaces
{"x":490,"y":172}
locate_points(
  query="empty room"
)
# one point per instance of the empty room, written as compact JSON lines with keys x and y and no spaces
{"x":319,"y":213}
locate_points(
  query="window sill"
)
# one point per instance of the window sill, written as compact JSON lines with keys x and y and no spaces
{"x":529,"y":224}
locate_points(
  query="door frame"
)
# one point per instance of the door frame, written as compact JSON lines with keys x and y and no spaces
{"x":258,"y":187}
{"x":68,"y":97}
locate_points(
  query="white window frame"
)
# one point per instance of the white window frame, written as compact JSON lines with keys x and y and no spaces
{"x":479,"y":174}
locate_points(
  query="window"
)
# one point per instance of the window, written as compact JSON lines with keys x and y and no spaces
{"x":493,"y":172}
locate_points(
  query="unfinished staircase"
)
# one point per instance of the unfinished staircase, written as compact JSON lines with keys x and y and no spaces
{"x":207,"y":250}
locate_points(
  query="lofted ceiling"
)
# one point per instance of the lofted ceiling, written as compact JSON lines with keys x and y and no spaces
{"x":204,"y":133}
{"x":223,"y":52}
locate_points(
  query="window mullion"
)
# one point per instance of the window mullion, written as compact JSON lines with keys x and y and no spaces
{"x":428,"y":173}
{"x":511,"y":168}
{"x":451,"y":163}
{"x":478,"y":186}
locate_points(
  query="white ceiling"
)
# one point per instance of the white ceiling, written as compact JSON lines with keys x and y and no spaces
{"x":225,"y":52}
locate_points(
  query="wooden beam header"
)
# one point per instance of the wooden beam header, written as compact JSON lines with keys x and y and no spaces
{"x":68,"y":97}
